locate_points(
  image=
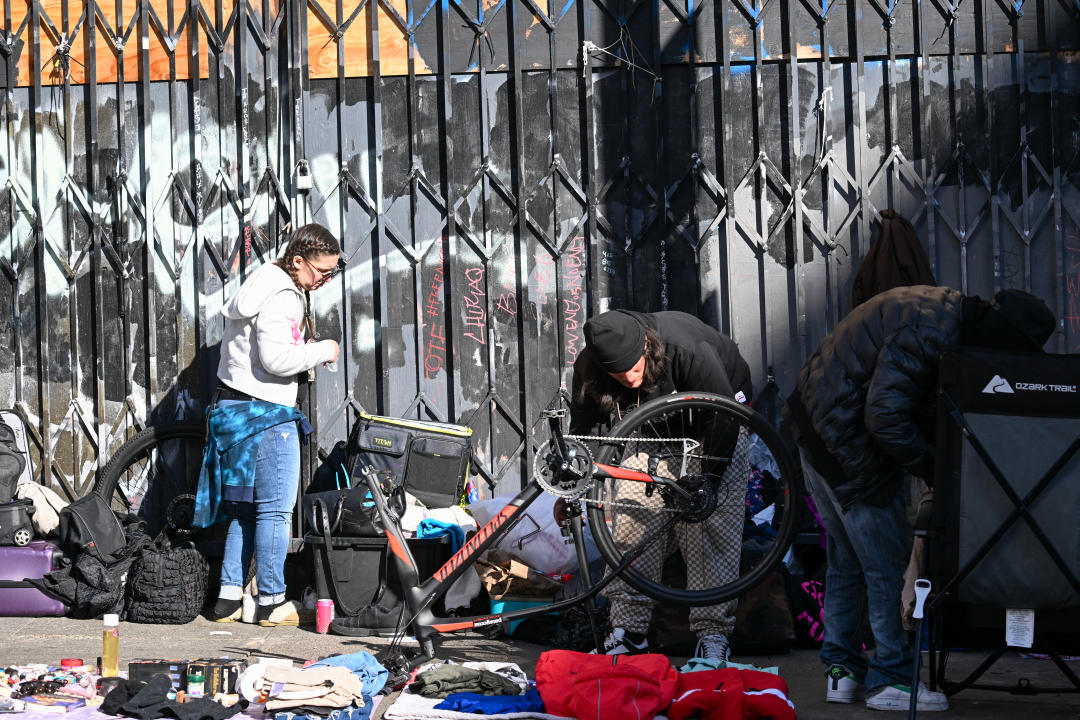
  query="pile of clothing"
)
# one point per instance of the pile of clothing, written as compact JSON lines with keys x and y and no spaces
{"x":570,"y":684}
{"x":340,"y":687}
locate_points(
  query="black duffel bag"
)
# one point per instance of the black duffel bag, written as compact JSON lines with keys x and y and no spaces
{"x":166,"y":584}
{"x":351,"y":512}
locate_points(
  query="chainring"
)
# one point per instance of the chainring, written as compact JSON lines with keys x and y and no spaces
{"x":570,"y":479}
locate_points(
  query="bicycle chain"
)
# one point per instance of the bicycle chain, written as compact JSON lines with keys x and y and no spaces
{"x":613,"y":503}
{"x":620,"y":439}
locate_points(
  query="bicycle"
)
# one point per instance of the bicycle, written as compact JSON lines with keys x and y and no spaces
{"x":154,"y":475}
{"x":677,"y":431}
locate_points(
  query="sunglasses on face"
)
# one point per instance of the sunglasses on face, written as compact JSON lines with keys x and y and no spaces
{"x":325,"y":274}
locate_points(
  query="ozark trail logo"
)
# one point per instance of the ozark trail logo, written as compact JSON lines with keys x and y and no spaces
{"x":998,"y":384}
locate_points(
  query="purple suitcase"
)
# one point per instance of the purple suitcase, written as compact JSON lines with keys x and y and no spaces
{"x":19,"y":598}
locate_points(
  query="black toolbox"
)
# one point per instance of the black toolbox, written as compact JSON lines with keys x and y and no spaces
{"x":356,"y":572}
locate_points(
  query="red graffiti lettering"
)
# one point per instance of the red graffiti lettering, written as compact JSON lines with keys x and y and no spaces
{"x":435,"y":341}
{"x":573,"y":311}
{"x":507,"y":302}
{"x":475,"y":300}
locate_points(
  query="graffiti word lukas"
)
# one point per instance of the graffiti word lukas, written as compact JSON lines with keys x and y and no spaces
{"x":475,"y":300}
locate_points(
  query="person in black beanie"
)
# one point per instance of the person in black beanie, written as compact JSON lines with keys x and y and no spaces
{"x":863,"y":409}
{"x":631,"y":357}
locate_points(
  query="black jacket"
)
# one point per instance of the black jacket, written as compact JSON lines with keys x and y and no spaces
{"x":699,"y":358}
{"x":868,"y":385}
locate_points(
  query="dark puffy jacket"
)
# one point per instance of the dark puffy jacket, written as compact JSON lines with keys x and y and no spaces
{"x":865,"y":387}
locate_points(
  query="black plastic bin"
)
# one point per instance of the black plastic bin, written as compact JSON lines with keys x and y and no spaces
{"x":358,"y":571}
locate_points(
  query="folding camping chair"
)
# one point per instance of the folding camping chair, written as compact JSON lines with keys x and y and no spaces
{"x":1004,"y":534}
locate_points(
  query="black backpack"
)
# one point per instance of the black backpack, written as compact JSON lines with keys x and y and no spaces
{"x":12,"y":463}
{"x":89,"y":525}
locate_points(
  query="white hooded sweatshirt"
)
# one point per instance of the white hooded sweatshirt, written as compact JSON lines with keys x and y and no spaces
{"x":263,"y":347}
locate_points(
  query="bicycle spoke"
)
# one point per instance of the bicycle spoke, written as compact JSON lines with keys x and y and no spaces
{"x":149,"y":471}
{"x":697,"y":448}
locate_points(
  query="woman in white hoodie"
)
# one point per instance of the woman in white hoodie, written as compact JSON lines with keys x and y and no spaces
{"x":262,"y":350}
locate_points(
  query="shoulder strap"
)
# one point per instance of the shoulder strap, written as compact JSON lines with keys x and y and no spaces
{"x":332,"y":571}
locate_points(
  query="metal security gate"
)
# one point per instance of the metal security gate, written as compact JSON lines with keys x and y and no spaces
{"x":497,"y":171}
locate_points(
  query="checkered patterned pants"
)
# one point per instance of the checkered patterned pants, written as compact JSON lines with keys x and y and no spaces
{"x":711,"y":549}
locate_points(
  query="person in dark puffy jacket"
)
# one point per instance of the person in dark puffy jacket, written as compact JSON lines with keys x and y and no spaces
{"x":863,"y":410}
{"x":632,"y":357}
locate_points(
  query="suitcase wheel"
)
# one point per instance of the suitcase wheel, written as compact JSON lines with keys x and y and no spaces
{"x":22,"y":537}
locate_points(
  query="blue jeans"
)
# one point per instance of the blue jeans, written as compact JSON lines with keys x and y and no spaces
{"x":261,"y":528}
{"x":867,"y":552}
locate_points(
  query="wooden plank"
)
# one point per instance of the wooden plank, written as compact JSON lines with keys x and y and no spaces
{"x":110,"y":48}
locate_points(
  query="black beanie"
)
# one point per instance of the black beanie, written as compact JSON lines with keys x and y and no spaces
{"x":1027,"y":314}
{"x":617,"y":340}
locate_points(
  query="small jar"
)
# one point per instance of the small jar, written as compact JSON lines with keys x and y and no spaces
{"x":195,"y":684}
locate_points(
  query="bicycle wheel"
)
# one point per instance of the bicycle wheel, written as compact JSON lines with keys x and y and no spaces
{"x":154,"y":475}
{"x":706,"y":446}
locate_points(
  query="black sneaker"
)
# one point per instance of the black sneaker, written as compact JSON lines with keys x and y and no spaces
{"x":226,"y":610}
{"x":373,"y":620}
{"x":624,"y":642}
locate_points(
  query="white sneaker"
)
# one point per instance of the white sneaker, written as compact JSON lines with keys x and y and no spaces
{"x":288,"y":613}
{"x":713,"y":647}
{"x":622,"y":642}
{"x":898,"y":697}
{"x":843,"y":686}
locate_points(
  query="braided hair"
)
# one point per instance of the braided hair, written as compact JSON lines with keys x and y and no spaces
{"x":307,"y":241}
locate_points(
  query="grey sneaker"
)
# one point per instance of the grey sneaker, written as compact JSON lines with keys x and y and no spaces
{"x":623,"y":642}
{"x":898,"y":697}
{"x":713,"y":647}
{"x":843,"y":686}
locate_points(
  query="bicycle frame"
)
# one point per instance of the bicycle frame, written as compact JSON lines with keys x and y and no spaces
{"x":419,"y":596}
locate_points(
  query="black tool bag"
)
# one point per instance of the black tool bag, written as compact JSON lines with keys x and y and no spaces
{"x":351,"y":511}
{"x":430,"y":458}
{"x":89,"y":525}
{"x":166,"y":584}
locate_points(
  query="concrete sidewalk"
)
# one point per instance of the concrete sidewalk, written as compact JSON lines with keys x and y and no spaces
{"x":47,"y":640}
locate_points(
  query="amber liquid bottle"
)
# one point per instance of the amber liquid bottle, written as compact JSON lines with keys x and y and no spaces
{"x":110,"y":646}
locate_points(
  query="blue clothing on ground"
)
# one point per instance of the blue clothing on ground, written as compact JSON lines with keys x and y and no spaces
{"x":867,"y":551}
{"x":468,"y":702}
{"x":364,"y":665}
{"x":430,"y":528}
{"x":234,"y":429}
